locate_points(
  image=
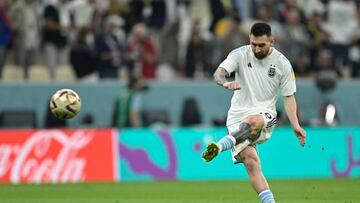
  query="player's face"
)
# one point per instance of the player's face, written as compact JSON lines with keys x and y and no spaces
{"x":261,"y":45}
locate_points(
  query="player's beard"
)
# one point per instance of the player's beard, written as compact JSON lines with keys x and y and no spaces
{"x":260,"y":55}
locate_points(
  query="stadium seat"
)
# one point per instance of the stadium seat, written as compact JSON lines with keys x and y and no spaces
{"x":38,"y":73}
{"x":12,"y":73}
{"x":190,"y":113}
{"x":153,"y":116}
{"x":18,"y":119}
{"x":64,"y":73}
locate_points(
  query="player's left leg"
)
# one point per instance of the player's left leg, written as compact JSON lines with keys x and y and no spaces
{"x":257,"y":180}
{"x":247,"y":131}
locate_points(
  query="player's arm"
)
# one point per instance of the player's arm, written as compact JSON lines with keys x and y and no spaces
{"x":135,"y":108}
{"x":291,"y":111}
{"x":220,"y":76}
{"x":220,"y":79}
{"x":134,"y":119}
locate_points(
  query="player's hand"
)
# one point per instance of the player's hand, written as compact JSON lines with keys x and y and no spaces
{"x":301,"y":135}
{"x":232,"y":85}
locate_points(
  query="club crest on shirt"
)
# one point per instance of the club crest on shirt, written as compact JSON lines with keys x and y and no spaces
{"x":272,"y":71}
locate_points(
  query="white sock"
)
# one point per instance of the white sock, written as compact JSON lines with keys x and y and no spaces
{"x":227,"y":142}
{"x":266,"y":196}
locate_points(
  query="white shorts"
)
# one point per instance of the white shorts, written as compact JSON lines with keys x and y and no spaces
{"x":264,"y":134}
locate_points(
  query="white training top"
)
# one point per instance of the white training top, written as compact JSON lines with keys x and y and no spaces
{"x":260,"y":81}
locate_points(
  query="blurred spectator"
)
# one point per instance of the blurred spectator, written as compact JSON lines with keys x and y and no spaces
{"x":100,"y":7}
{"x":318,"y":37}
{"x":156,"y":11}
{"x":27,"y":36}
{"x":233,"y":37}
{"x":288,"y":6}
{"x":133,"y":15}
{"x":118,"y":31}
{"x":341,"y":25}
{"x":354,"y":51}
{"x":218,"y":12}
{"x":82,"y":56}
{"x":55,"y":34}
{"x":296,"y":35}
{"x":312,"y":7}
{"x":354,"y":57}
{"x":277,"y":30}
{"x":326,"y":81}
{"x":82,"y":12}
{"x":142,"y":54}
{"x":272,"y":7}
{"x":120,"y":9}
{"x":301,"y":66}
{"x":300,"y":27}
{"x":115,"y":7}
{"x":109,"y":51}
{"x":128,"y":106}
{"x":169,"y":48}
{"x":152,"y":13}
{"x":198,"y":55}
{"x":327,"y":71}
{"x":244,"y":8}
{"x":199,"y":11}
{"x":5,"y":34}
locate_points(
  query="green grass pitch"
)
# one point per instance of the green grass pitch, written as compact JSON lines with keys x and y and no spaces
{"x":287,"y":191}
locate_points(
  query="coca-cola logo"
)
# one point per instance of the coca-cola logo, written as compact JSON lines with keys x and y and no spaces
{"x":46,"y":156}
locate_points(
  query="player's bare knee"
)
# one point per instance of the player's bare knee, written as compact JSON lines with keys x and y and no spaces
{"x":255,"y":121}
{"x":252,"y":164}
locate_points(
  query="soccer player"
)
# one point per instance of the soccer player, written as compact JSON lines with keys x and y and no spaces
{"x":260,"y":72}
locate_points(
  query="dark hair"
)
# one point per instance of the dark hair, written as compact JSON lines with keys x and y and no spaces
{"x":260,"y":29}
{"x":135,"y":83}
{"x":132,"y":82}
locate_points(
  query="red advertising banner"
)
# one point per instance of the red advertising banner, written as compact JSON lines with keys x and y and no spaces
{"x":56,"y":156}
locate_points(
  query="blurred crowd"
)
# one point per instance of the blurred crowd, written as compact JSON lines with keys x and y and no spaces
{"x":172,"y":39}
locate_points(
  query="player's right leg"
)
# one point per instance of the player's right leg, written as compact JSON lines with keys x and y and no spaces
{"x":245,"y":133}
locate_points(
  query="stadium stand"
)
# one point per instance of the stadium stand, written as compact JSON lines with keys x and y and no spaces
{"x":38,"y":73}
{"x":12,"y":73}
{"x":64,"y":73}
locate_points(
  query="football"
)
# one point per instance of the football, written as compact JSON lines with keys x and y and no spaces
{"x":65,"y":104}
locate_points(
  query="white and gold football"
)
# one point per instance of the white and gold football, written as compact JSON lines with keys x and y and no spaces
{"x":65,"y":104}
